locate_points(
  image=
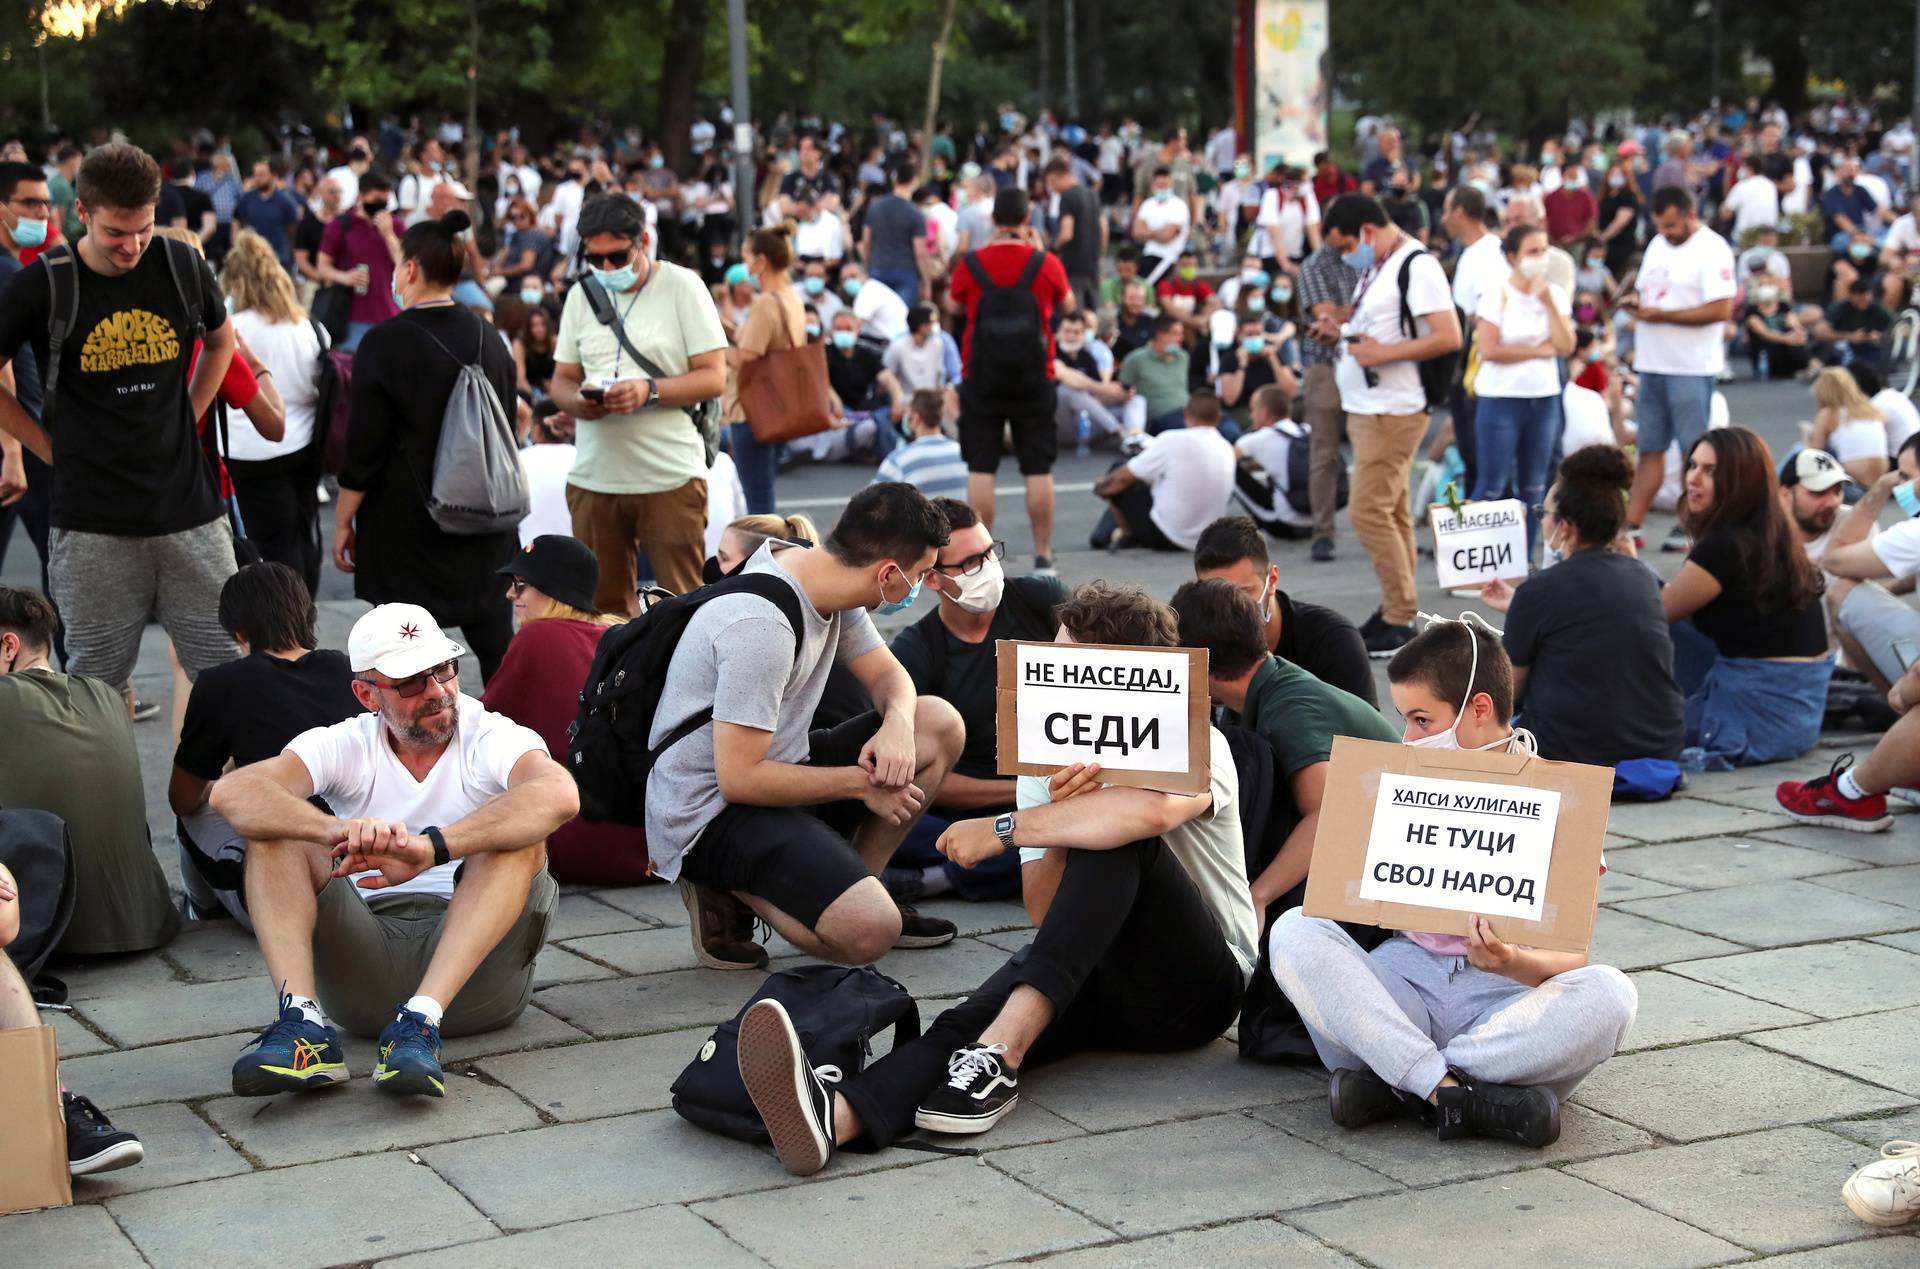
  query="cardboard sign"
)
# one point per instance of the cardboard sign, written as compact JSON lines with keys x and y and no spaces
{"x":33,"y":1167}
{"x":1487,"y":540}
{"x":1141,"y":713}
{"x":1421,"y":839}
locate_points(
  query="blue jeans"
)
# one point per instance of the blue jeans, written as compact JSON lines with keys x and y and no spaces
{"x":997,"y":877}
{"x":356,"y":331}
{"x":905,"y":285}
{"x":757,"y":464}
{"x":1673,"y":408}
{"x":1515,"y":438}
{"x":1741,"y":711}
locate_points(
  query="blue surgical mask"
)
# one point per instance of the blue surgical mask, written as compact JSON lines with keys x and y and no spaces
{"x":1908,"y":500}
{"x":1282,"y":294}
{"x":1360,"y":259}
{"x":657,"y":161}
{"x":398,"y":302}
{"x":853,"y":286}
{"x":1163,"y":194}
{"x":531,"y":295}
{"x":887,"y":607}
{"x":437,"y":166}
{"x":615,"y":281}
{"x":29,"y":233}
{"x":1860,"y":250}
{"x":1256,"y":304}
{"x":813,"y":330}
{"x":845,"y":339}
{"x":1254,"y":345}
{"x":814,"y":286}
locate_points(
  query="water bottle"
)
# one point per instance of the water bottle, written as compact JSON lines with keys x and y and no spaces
{"x":1082,"y":433}
{"x":1764,"y":365}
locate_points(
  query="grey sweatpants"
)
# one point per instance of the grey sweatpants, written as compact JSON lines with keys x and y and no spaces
{"x":107,"y":586}
{"x":1410,"y":1015}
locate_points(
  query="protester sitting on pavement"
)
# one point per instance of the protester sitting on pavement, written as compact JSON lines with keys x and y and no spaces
{"x":66,"y":748}
{"x":551,"y":583}
{"x":1157,"y":374}
{"x":245,"y":712}
{"x":1848,"y":425}
{"x":1146,"y":939}
{"x":1777,"y":344}
{"x":930,"y":461}
{"x":1868,"y":616}
{"x":866,"y":396}
{"x":1896,"y":407}
{"x":1591,"y":649}
{"x":364,"y":917}
{"x":950,"y":654}
{"x":1083,"y":368}
{"x":93,"y":1143}
{"x":926,"y":357}
{"x":1749,"y":642}
{"x":1855,"y":328}
{"x":1164,"y":496}
{"x":744,"y":536}
{"x":1478,"y":1035}
{"x":1318,"y":640}
{"x":752,"y":812}
{"x":1854,"y":797}
{"x":1133,"y":321}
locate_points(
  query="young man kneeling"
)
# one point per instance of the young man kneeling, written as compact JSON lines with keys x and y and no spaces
{"x":1484,"y":1037}
{"x":1147,"y":937}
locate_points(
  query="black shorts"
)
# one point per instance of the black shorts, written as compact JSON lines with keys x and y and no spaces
{"x":799,"y":859}
{"x":1135,"y":504}
{"x":1036,"y":438}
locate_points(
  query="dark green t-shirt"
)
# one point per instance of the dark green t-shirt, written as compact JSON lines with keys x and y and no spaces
{"x":1299,"y":715}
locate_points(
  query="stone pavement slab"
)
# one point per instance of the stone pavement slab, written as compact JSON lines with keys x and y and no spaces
{"x":1240,"y":1245}
{"x":1721,"y":1087}
{"x":356,"y":1118}
{"x":1776,"y":913}
{"x":1876,"y":1130}
{"x":1629,"y":942}
{"x":1406,"y":1150}
{"x":1830,"y":980}
{"x":67,"y":1238}
{"x":1194,"y":1172}
{"x":655,"y":904}
{"x":1910,"y":941}
{"x":954,"y":1212}
{"x":1901,"y":1251}
{"x":641,"y":951}
{"x":1683,"y":818}
{"x":1881,"y":1047}
{"x":116,"y":976}
{"x":70,"y":1036}
{"x":180,"y":1149}
{"x":1541,"y":1218}
{"x":1898,"y":845}
{"x":1722,"y":861}
{"x":656,"y":1002}
{"x":578,"y":915}
{"x":1889,"y":885}
{"x":533,"y":1029}
{"x":180,"y":1011}
{"x":1771,"y":1191}
{"x":1621,"y":887}
{"x":656,"y":1236}
{"x":556,"y":965}
{"x":211,"y":951}
{"x":1104,"y":1091}
{"x":605,"y":1077}
{"x":1674,"y":1010}
{"x":292,"y":1218}
{"x":186,"y":1071}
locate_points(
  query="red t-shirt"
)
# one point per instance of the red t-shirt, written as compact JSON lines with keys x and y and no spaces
{"x":1325,"y":191}
{"x":1593,"y":375}
{"x":1568,"y":212}
{"x":1172,"y":285}
{"x":1004,"y":262}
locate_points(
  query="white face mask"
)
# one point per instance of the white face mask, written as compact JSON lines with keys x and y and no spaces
{"x":1519,"y":737}
{"x":981,"y":592}
{"x":1533,"y":267}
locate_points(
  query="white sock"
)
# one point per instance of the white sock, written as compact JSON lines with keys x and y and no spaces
{"x":1848,"y":786}
{"x":427,"y":1007}
{"x":934,"y":878}
{"x":310,"y":1008}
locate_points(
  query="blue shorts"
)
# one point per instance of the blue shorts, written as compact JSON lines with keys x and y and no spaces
{"x":1673,"y":408}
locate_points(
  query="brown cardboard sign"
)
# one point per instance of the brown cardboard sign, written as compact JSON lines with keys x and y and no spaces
{"x":1421,"y":839}
{"x":1141,"y":713}
{"x":33,"y":1167}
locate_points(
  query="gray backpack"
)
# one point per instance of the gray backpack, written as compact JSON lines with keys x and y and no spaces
{"x":478,"y":486}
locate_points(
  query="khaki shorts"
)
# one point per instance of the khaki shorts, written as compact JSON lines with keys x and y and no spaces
{"x":369,"y":956}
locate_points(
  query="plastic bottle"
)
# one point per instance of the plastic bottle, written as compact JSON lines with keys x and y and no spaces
{"x":1082,"y":434}
{"x":1765,"y":364}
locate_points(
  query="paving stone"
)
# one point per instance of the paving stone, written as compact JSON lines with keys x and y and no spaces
{"x":533,"y":1029}
{"x":649,"y":951}
{"x":1713,"y":785}
{"x":181,"y":1011}
{"x":1721,"y":1087}
{"x":1899,"y":845}
{"x":954,"y":1212}
{"x":1910,"y":941}
{"x":355,"y":1118}
{"x":654,"y":904}
{"x":1539,"y":1218}
{"x":67,"y":1238}
{"x":606,"y":1077}
{"x":1629,"y":942}
{"x":1149,"y":1180}
{"x":578,"y":915}
{"x":211,"y":951}
{"x":1007,"y":940}
{"x":1775,"y":913}
{"x":70,"y":1035}
{"x":1897,"y":1252}
{"x":1622,"y":887}
{"x":1889,"y":885}
{"x":656,"y":1236}
{"x":1787,"y":1181}
{"x":91,"y":977}
{"x":180,"y":1149}
{"x":1875,"y":1130}
{"x":1831,"y":980}
{"x":1406,"y":1150}
{"x":1685,"y":818}
{"x":179,"y":1072}
{"x":992,"y":916}
{"x":1720,"y":862}
{"x":953,"y":970}
{"x":1763,"y":798}
{"x":1241,"y":1245}
{"x":1674,"y":1010}
{"x":654,"y":1002}
{"x":556,"y":965}
{"x":316,"y":1214}
{"x":1879,"y":1047}
{"x":1104,"y":1091}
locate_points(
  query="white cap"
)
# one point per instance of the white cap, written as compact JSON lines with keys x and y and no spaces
{"x":399,"y":640}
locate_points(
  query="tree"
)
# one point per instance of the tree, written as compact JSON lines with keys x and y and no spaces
{"x":680,"y":74}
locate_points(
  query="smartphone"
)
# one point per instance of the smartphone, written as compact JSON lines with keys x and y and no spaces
{"x":594,"y":393}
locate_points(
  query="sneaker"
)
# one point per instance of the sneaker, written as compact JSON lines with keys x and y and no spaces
{"x":1910,"y":796}
{"x":1526,"y":1114}
{"x":924,"y":931}
{"x":1132,"y":443}
{"x":142,"y":711}
{"x":290,"y":1056}
{"x":1357,"y":1098}
{"x":722,"y":929}
{"x":1677,"y":542}
{"x":1043,"y":565}
{"x":904,"y":884}
{"x":1372,"y":624}
{"x":410,"y":1057}
{"x":794,"y":1099}
{"x":1819,"y":801}
{"x":93,"y":1143}
{"x":1887,"y":1191}
{"x":1385,"y":640}
{"x":1323,"y":550}
{"x":980,"y":1089}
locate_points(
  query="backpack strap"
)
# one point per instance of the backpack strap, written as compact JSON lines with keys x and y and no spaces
{"x":979,"y":272}
{"x":602,"y":306}
{"x":1407,"y":324}
{"x":192,"y":298}
{"x":63,"y":314}
{"x":1035,"y":258}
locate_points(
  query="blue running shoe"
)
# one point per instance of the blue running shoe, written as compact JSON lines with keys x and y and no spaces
{"x":291,"y":1056}
{"x":410,"y":1057}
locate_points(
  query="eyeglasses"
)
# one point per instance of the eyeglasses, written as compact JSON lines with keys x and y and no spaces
{"x":32,"y":204}
{"x":609,"y":259}
{"x":414,"y":684}
{"x":973,"y":563}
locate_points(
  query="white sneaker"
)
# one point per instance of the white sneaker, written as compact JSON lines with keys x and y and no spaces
{"x":1910,"y":796}
{"x":1887,"y":1191}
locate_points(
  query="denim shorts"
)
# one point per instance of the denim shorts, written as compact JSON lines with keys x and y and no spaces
{"x":1673,"y":408}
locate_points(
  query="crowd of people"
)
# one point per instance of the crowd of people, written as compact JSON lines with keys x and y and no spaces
{"x":193,"y":367}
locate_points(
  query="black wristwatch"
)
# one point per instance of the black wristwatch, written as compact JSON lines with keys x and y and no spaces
{"x":1003,"y":829}
{"x":653,"y":394}
{"x":439,"y":840}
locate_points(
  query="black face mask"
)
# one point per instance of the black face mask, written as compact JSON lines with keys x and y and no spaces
{"x":710,"y":571}
{"x":370,"y":210}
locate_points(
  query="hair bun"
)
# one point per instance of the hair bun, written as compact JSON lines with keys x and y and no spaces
{"x":456,"y":221}
{"x":785,"y":228}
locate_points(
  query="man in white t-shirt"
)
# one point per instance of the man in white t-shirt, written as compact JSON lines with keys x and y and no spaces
{"x":1684,"y":300}
{"x":1379,"y":378}
{"x":1753,"y":201}
{"x":363,"y":908}
{"x":1290,"y":215}
{"x":1161,"y":225}
{"x":1166,"y":495}
{"x":877,"y":305}
{"x":1879,"y":630}
{"x":1480,"y":266}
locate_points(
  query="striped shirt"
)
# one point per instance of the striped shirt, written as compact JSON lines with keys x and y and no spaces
{"x":1324,"y":279}
{"x":931,"y":464}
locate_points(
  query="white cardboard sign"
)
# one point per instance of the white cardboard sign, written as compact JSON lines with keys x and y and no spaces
{"x":1487,"y":540}
{"x":1132,"y":710}
{"x":1460,"y":844}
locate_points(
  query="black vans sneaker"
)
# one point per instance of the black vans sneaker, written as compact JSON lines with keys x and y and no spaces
{"x":1385,"y":639}
{"x":980,"y":1089}
{"x":924,"y":931}
{"x":93,"y":1143}
{"x":793,"y":1099}
{"x":1357,"y":1098}
{"x":1527,"y":1114}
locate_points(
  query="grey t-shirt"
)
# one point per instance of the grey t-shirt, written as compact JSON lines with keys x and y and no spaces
{"x":894,"y":223}
{"x":976,"y":222}
{"x":738,"y":653}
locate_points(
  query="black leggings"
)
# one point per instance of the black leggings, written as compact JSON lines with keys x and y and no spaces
{"x":487,"y":634}
{"x":280,"y":507}
{"x":1130,"y":957}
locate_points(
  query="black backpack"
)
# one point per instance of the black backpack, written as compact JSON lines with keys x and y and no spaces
{"x":1437,"y":373}
{"x":609,"y":753}
{"x":836,"y":1011}
{"x":1008,"y":353}
{"x":35,"y":848}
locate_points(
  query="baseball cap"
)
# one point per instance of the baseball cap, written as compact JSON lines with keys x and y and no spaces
{"x":1815,"y":470}
{"x":558,"y":566}
{"x":1630,"y":148}
{"x":399,"y":640}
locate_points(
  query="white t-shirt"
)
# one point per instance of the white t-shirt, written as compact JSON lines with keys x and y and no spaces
{"x":291,"y":351}
{"x":1698,"y":271}
{"x":1898,"y":547}
{"x":1588,"y":422}
{"x":1858,"y":439}
{"x":1905,"y":234}
{"x":546,"y":468}
{"x":1752,"y":202}
{"x":1902,"y":416}
{"x":1376,"y":312}
{"x":1521,"y":319}
{"x":726,"y":499}
{"x":415,"y":193}
{"x":881,"y":310}
{"x":1876,"y":187}
{"x":1480,"y":267}
{"x":1190,"y":471}
{"x":823,"y":237}
{"x":561,"y":216}
{"x":1209,"y":846}
{"x":354,"y":768}
{"x":1157,"y":213}
{"x":344,"y":179}
{"x":1286,"y":221}
{"x":943,"y":228}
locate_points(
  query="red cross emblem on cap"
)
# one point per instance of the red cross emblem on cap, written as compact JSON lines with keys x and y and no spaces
{"x":409,"y":631}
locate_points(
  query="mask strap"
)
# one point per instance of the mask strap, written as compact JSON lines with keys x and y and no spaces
{"x":1469,"y":620}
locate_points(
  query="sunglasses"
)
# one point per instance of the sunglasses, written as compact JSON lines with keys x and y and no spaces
{"x":516,"y":587}
{"x":608,"y":259}
{"x":414,"y":684}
